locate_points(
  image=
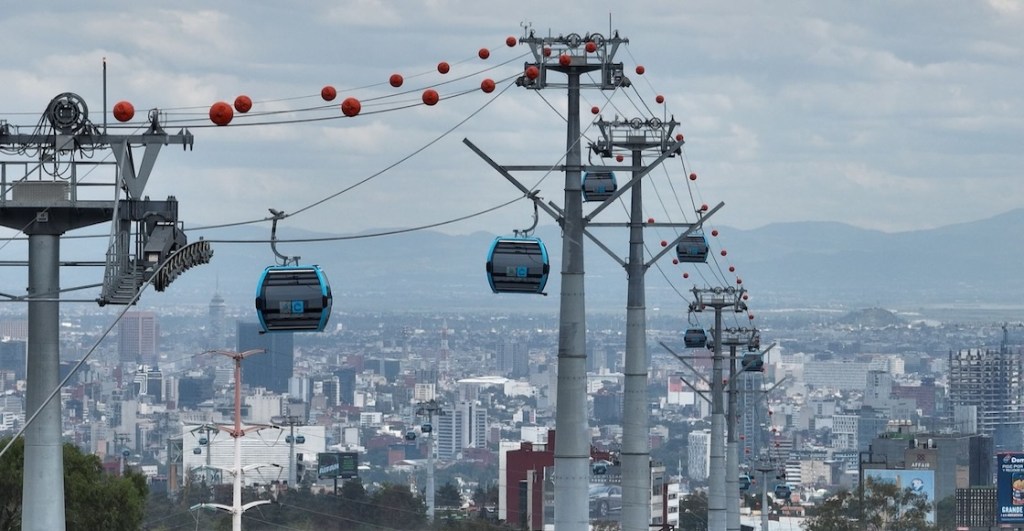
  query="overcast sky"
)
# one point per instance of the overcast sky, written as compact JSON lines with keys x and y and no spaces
{"x":890,"y":115}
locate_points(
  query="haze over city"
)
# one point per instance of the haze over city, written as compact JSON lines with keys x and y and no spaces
{"x":416,"y":349}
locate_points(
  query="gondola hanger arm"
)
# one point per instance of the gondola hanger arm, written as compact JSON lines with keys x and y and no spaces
{"x":285,"y":260}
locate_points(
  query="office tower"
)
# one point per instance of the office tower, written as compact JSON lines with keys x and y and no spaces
{"x":150,"y":382}
{"x":503,"y":356}
{"x":217,"y":330}
{"x":194,"y":390}
{"x":520,"y":360}
{"x":699,"y":455}
{"x":346,"y":385}
{"x":990,"y":380}
{"x":12,"y":357}
{"x":752,"y":413}
{"x":137,"y":333}
{"x":272,"y":368}
{"x":464,"y":426}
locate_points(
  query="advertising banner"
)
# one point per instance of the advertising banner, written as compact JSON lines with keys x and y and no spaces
{"x":920,"y":481}
{"x":343,"y":465}
{"x":1010,"y":487}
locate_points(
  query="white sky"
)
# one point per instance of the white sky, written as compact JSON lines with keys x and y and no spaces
{"x":888,"y":115}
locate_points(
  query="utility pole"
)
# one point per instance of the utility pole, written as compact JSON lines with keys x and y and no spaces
{"x":430,"y":409}
{"x":237,"y":432}
{"x":291,"y":421}
{"x":717,"y":298}
{"x":41,"y":196}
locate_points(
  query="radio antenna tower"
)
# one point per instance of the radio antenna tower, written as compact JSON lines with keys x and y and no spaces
{"x":42,"y":195}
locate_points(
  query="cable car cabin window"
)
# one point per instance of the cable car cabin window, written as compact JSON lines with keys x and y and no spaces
{"x":598,"y":185}
{"x":293,"y":298}
{"x":692,"y":249}
{"x":517,"y":265}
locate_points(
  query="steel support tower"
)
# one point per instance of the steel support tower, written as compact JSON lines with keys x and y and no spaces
{"x":637,"y":136}
{"x":40,"y":195}
{"x":290,"y":421}
{"x":430,"y":409}
{"x":717,"y":298}
{"x":733,"y":338}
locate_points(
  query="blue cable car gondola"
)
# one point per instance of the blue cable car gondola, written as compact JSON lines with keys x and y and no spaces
{"x":744,"y":482}
{"x":203,"y":440}
{"x":783,"y":492}
{"x":517,"y":265}
{"x":695,"y":338}
{"x":598,"y":185}
{"x":410,"y":435}
{"x":692,"y":249}
{"x":426,"y":428}
{"x":300,"y":439}
{"x":752,"y":363}
{"x":293,"y":298}
{"x":197,"y":450}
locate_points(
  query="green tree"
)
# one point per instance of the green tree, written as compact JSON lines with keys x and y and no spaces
{"x":395,"y":506}
{"x":693,"y":512}
{"x":92,"y":499}
{"x":837,"y":513}
{"x":886,"y":506}
{"x":945,"y":513}
{"x":448,"y":496}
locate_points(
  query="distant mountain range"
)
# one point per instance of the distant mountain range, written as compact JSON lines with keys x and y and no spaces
{"x":783,"y":265}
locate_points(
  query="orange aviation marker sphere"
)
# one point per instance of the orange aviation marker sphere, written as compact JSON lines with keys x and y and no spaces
{"x":484,"y":53}
{"x":328,"y":93}
{"x":124,"y":111}
{"x":221,"y":113}
{"x":443,"y":67}
{"x":350,"y":107}
{"x":396,"y":80}
{"x":532,"y":72}
{"x":243,"y":103}
{"x":430,"y":97}
{"x":510,"y":41}
{"x":487,"y":85}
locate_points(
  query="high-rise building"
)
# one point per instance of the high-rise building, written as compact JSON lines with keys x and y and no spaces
{"x":217,"y":331}
{"x":12,"y":357}
{"x":464,"y":426}
{"x":699,"y":455}
{"x":753,"y":413}
{"x":346,"y":385}
{"x":991,"y":381}
{"x":272,"y":368}
{"x":137,"y":334}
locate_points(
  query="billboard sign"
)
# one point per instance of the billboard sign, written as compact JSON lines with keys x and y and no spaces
{"x":922,"y":482}
{"x":343,"y":465}
{"x":1010,"y":487}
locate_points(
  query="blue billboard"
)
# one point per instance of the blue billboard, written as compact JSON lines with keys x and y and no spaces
{"x":920,"y":481}
{"x":1010,"y":487}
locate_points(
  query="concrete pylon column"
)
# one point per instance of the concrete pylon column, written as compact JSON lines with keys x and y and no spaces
{"x":43,"y":486}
